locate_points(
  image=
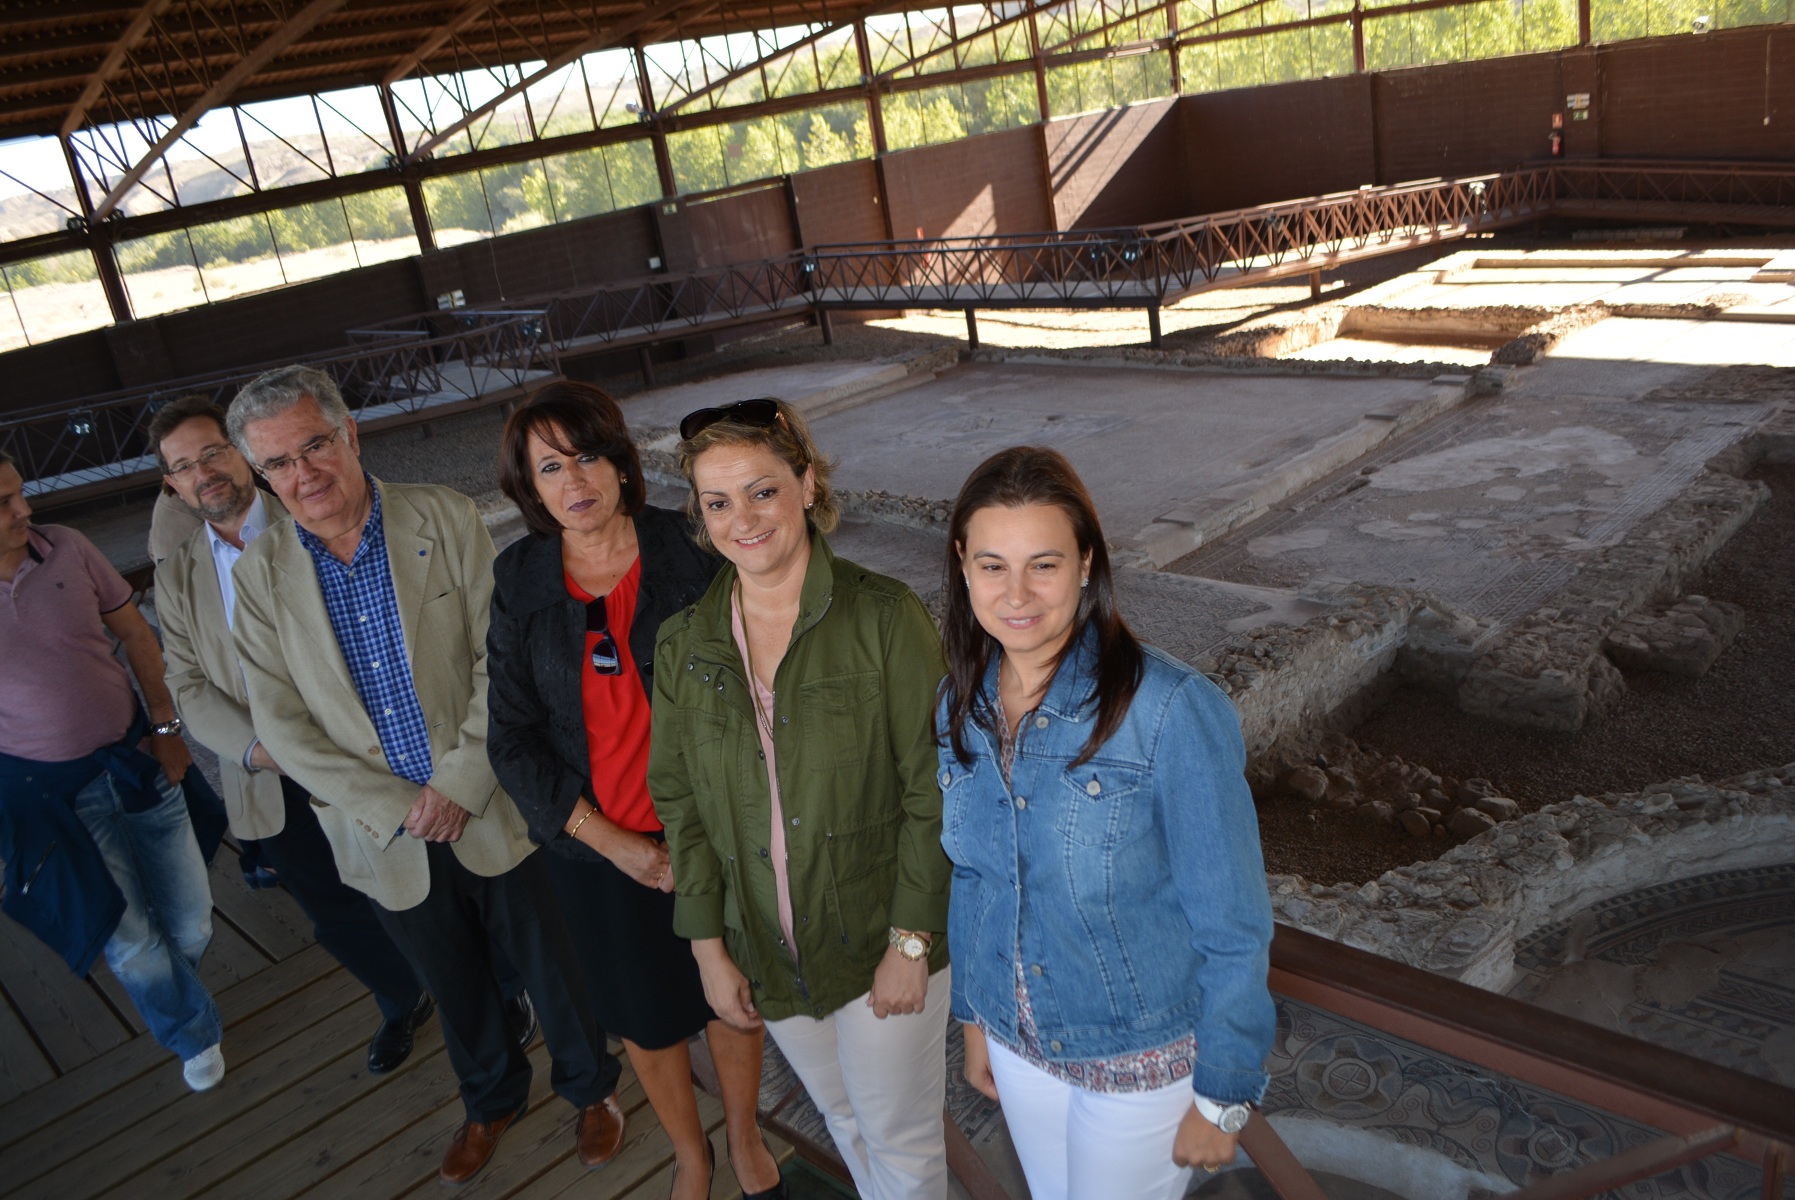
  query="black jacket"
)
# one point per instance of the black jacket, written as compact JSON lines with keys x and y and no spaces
{"x":535,"y":645}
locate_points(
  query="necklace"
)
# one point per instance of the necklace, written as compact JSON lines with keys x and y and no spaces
{"x":760,"y":713}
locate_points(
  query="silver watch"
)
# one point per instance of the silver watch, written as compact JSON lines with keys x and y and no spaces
{"x":910,"y":945}
{"x":168,"y":728}
{"x":1232,"y":1118}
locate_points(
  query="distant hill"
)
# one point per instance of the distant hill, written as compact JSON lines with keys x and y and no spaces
{"x":198,"y":180}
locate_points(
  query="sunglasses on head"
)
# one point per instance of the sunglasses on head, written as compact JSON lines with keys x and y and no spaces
{"x":760,"y":413}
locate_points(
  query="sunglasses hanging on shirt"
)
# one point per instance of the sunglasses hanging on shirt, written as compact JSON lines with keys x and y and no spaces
{"x":604,"y":652}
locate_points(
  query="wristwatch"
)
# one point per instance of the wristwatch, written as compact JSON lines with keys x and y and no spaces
{"x":1233,"y":1118}
{"x":912,"y":946}
{"x":1229,"y":1118}
{"x":168,"y":728}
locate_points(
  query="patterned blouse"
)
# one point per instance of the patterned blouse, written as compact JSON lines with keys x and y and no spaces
{"x":1141,"y":1071}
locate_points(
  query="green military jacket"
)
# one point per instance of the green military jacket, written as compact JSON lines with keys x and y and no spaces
{"x":854,"y":702}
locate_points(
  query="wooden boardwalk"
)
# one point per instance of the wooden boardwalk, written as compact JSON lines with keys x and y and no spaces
{"x":91,"y":1106}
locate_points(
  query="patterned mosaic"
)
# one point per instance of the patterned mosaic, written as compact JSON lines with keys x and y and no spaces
{"x":1704,"y":965}
{"x":1330,"y":1069}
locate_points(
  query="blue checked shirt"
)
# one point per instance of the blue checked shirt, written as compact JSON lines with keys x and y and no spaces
{"x":364,"y":613}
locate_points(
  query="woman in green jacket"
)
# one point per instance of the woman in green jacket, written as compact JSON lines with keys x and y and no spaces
{"x":792,"y":763}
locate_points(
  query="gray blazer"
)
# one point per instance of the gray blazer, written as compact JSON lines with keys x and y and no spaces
{"x":311,"y":718}
{"x":206,"y":683}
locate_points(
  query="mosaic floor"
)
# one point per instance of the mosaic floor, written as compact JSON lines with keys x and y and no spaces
{"x":1704,"y":965}
{"x":1384,"y":1099}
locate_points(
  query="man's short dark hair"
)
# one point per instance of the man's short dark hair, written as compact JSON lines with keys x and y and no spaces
{"x":7,"y":460}
{"x":178,"y":412}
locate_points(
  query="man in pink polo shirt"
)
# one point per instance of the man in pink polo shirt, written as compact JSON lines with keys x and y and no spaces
{"x":72,"y":741}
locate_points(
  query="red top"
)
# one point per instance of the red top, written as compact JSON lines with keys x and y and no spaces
{"x":616,"y":712}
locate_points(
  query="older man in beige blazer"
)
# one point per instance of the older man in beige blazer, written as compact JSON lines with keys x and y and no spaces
{"x":195,"y":603}
{"x":361,"y":626}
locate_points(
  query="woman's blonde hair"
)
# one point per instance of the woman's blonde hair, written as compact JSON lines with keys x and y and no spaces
{"x":788,"y":437}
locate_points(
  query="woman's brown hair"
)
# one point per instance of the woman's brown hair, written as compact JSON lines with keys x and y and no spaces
{"x":591,"y":423}
{"x":1016,"y":478}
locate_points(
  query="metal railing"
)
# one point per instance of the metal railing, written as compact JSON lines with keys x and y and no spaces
{"x":1146,"y":267}
{"x":98,"y":444}
{"x":1702,"y":1107}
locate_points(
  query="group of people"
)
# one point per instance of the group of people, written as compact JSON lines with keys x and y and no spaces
{"x":673,"y":774}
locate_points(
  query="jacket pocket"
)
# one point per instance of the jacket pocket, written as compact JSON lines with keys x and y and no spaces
{"x":841,"y":718}
{"x":1099,"y":809}
{"x":963,"y":830}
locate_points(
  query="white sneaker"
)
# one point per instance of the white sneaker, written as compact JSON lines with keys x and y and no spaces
{"x":204,"y":1069}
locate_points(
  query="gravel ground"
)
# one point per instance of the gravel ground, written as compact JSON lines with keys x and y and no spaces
{"x":1739,"y":716}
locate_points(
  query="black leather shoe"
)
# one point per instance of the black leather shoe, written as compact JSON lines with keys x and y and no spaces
{"x":520,"y":1019}
{"x":392,"y":1041}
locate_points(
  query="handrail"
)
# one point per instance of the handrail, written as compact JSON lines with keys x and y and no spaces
{"x":1145,"y":266}
{"x":1704,"y":1107}
{"x":99,"y":443}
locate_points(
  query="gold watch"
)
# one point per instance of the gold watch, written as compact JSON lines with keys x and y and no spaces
{"x":912,"y":946}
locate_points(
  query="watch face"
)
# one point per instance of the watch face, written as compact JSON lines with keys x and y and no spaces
{"x":914,"y":947}
{"x":1234,"y":1118}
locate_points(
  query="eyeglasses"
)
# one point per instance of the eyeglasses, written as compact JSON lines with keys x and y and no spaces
{"x":760,"y":413}
{"x":280,"y":468}
{"x":604,"y":652}
{"x":207,"y":457}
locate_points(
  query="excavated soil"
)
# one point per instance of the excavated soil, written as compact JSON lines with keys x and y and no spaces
{"x":1738,"y":716}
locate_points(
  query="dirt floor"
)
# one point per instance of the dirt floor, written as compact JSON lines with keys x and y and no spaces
{"x":1737,"y":717}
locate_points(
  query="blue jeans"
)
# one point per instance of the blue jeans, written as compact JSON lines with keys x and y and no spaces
{"x":156,"y":948}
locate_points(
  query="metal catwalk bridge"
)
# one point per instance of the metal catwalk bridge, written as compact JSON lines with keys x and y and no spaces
{"x":413,"y":367}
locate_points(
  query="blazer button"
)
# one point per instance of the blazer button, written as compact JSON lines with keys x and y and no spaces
{"x":373,"y":749}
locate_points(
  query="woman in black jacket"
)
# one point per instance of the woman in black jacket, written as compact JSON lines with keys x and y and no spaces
{"x":576,"y":606}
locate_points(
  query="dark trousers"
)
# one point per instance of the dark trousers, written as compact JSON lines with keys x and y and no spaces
{"x":449,"y":937}
{"x":343,"y":920}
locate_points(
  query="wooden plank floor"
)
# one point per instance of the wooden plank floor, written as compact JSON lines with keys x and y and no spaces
{"x":91,"y":1107}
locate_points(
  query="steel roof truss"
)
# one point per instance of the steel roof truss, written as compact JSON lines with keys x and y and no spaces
{"x":217,"y":92}
{"x":115,"y":58}
{"x":612,"y":36}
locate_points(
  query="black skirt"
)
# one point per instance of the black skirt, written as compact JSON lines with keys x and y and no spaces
{"x":641,"y":976}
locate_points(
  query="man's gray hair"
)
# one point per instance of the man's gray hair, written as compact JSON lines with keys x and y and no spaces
{"x":274,"y":392}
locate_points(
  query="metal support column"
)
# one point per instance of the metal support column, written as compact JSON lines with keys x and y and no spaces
{"x":875,"y":115}
{"x":414,"y":191}
{"x":1314,"y":285}
{"x":646,"y":364}
{"x":1358,"y":36}
{"x":1583,"y":32}
{"x":826,"y":325}
{"x":972,"y":330}
{"x":1034,"y":49}
{"x":663,"y":161}
{"x":1174,"y":61}
{"x":1153,"y":335}
{"x":99,"y":245}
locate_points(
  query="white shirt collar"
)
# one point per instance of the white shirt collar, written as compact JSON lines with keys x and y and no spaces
{"x":254,"y":522}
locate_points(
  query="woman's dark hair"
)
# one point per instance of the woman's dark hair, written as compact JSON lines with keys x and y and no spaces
{"x":1015,"y":478}
{"x":591,"y":423}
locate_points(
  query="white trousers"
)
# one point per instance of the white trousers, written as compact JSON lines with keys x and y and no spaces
{"x":1080,"y":1145}
{"x":880,"y":1086}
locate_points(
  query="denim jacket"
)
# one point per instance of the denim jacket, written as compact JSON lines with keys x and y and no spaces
{"x":1133,"y":884}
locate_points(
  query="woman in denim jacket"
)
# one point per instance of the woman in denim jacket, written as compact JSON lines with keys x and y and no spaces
{"x":1109,"y":919}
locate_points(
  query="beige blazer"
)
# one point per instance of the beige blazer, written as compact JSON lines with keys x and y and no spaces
{"x":311,"y":718}
{"x":206,"y":683}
